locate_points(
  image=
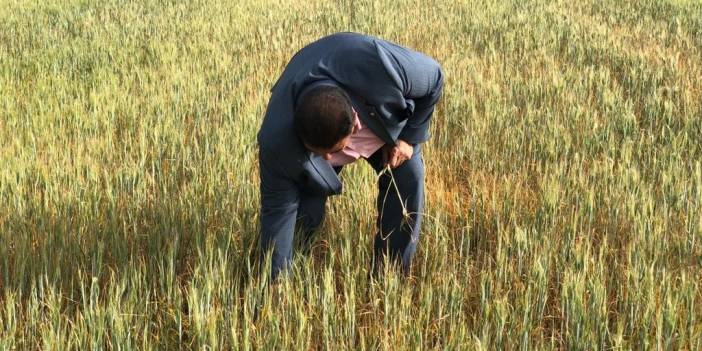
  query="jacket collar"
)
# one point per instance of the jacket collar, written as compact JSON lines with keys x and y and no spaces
{"x":369,"y":115}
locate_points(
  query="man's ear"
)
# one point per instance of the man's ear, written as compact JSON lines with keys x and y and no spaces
{"x":356,"y":122}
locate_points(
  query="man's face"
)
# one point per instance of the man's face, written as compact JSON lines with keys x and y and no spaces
{"x":327,"y":153}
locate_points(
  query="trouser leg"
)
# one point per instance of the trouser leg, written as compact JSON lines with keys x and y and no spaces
{"x":400,"y":204}
{"x":310,"y":215}
{"x":281,"y":246}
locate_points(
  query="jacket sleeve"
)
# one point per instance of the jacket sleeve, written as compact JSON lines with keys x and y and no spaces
{"x":399,"y":82}
{"x":279,"y":204}
{"x":422,"y":82}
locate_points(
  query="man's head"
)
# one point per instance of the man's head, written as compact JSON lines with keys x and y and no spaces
{"x":324,"y":120}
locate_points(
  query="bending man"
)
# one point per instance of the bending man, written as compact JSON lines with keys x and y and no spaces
{"x":344,"y":97}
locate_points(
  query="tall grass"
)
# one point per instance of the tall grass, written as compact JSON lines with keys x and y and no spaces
{"x":564,"y":181}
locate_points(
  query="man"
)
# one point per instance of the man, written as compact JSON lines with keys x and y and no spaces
{"x":344,"y":97}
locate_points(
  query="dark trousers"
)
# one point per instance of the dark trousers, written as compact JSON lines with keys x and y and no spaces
{"x":399,"y":217}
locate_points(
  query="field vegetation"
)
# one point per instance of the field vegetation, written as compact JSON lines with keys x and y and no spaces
{"x":564,"y":179}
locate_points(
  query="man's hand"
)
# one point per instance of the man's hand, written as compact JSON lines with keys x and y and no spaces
{"x":395,"y":155}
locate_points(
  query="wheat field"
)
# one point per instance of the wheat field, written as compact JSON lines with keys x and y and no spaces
{"x":564,"y":179}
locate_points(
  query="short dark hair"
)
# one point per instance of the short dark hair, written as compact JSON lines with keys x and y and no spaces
{"x":324,"y":116}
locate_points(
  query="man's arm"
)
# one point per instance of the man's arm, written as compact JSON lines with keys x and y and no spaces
{"x":396,"y":80}
{"x":422,"y":83}
{"x":279,"y":203}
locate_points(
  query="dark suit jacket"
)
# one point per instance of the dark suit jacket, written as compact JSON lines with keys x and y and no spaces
{"x":394,"y":89}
